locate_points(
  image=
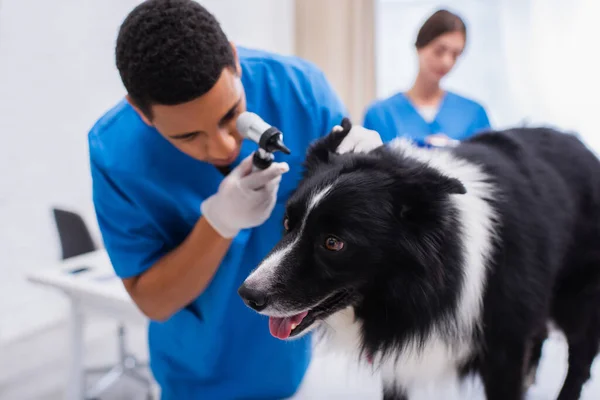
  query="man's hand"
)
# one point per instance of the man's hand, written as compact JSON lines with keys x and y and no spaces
{"x":244,"y":199}
{"x":358,"y":139}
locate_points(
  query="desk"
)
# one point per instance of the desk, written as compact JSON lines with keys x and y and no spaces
{"x":93,"y":288}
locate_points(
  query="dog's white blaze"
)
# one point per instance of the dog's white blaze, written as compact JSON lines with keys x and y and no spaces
{"x":263,"y":277}
{"x":315,"y":199}
{"x":437,"y":359}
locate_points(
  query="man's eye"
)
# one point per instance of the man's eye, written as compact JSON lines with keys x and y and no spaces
{"x":195,"y":135}
{"x":188,"y":137}
{"x":229,"y":117}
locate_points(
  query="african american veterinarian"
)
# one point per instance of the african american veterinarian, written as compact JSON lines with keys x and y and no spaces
{"x":183,"y":218}
{"x":426,"y":113}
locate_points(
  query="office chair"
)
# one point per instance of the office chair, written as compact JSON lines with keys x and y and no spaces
{"x":75,"y":240}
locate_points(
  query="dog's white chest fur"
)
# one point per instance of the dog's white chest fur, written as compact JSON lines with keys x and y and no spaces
{"x":410,"y":367}
{"x":434,"y":362}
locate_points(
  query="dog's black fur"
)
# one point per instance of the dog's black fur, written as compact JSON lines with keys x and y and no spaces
{"x":403,"y":260}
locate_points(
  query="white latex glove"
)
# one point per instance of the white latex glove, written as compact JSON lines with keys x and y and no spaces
{"x":441,"y":140}
{"x":359,"y":139}
{"x":244,"y":199}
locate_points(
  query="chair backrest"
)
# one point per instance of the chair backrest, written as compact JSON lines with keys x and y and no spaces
{"x":75,"y":238}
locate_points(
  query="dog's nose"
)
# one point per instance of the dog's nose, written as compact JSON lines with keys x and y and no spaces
{"x":255,"y":299}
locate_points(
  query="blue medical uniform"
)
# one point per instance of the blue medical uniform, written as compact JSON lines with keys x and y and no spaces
{"x":457,"y":117}
{"x":147,"y":197}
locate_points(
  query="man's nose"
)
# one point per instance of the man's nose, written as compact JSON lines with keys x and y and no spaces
{"x":223,"y":144}
{"x":254,"y":298}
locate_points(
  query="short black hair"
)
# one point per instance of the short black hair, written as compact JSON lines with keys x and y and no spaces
{"x":169,"y":52}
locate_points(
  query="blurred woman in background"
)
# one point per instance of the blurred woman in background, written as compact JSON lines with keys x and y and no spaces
{"x":426,"y":113}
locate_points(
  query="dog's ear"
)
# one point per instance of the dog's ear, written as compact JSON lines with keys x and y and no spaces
{"x":437,"y":185}
{"x":412,"y":177}
{"x":420,"y":191}
{"x":428,"y":181}
{"x":324,"y":149}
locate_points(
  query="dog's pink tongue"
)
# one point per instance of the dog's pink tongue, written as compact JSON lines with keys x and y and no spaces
{"x":281,"y":328}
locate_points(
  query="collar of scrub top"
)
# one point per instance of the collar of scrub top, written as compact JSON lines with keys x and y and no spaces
{"x":432,"y":127}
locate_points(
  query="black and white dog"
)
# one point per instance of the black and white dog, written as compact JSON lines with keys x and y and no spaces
{"x":438,"y":263}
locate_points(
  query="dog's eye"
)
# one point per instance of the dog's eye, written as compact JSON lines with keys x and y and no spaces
{"x":333,"y":244}
{"x":286,"y":224}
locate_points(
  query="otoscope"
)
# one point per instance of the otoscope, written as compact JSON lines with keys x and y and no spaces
{"x":268,"y":138}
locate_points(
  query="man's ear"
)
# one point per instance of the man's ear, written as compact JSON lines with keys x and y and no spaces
{"x":238,"y":66}
{"x":322,"y":150}
{"x":137,"y":109}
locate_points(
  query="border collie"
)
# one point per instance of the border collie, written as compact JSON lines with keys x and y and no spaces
{"x":438,"y":263}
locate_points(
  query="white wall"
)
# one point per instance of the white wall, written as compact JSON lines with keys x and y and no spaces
{"x":267,"y":24}
{"x":57,"y":76}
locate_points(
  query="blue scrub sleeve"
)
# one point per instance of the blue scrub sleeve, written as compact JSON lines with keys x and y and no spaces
{"x":329,"y":106}
{"x":131,"y":241}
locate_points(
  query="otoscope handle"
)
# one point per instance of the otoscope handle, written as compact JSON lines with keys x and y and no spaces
{"x":261,"y":160}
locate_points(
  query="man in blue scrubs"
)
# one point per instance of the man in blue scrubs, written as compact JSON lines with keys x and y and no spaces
{"x":183,"y":218}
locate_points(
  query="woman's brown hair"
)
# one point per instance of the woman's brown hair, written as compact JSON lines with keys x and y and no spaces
{"x":438,"y":24}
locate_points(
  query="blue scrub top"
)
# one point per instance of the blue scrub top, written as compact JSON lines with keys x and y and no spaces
{"x":147,"y":197}
{"x":458,"y":118}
